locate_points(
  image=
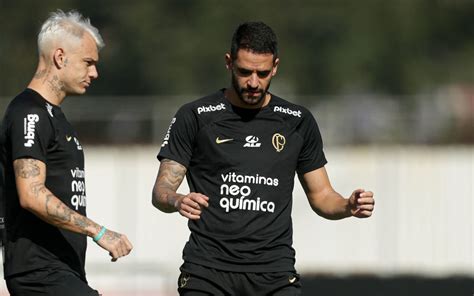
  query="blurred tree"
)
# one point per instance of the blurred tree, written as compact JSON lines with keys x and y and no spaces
{"x":327,"y":47}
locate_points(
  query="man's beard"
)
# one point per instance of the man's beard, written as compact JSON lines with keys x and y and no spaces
{"x":243,"y":93}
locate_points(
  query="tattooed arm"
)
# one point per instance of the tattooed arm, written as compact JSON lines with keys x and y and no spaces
{"x":30,"y":176}
{"x":166,"y":199}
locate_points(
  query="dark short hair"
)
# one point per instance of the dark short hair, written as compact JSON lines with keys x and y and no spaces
{"x":256,"y":37}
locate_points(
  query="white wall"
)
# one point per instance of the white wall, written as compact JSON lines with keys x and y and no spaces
{"x":423,"y":222}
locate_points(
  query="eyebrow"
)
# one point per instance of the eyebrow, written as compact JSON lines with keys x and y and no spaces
{"x":260,"y":73}
{"x":90,"y":60}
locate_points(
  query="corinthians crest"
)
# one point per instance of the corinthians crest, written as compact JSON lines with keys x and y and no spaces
{"x":278,"y":142}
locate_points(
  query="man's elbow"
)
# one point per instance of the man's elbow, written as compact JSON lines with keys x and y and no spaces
{"x":27,"y":203}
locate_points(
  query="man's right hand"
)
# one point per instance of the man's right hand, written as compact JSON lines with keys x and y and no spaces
{"x":191,"y":205}
{"x":117,"y":244}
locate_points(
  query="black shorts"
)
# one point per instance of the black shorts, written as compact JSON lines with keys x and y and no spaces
{"x":48,"y":282}
{"x":200,"y":280}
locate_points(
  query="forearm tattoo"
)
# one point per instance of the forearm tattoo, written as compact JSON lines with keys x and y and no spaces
{"x":171,"y":174}
{"x":58,"y":211}
{"x":26,"y":168}
{"x":81,"y":222}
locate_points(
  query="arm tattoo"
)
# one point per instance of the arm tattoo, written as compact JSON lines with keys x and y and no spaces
{"x":81,"y":222}
{"x":171,"y":174}
{"x":111,"y":235}
{"x":26,"y":168}
{"x":60,"y":212}
{"x":52,"y":209}
{"x":37,"y":188}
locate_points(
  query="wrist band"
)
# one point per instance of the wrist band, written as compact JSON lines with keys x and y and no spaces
{"x":100,"y":234}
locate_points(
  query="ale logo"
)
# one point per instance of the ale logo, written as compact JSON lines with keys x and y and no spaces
{"x":252,"y":141}
{"x":278,"y":142}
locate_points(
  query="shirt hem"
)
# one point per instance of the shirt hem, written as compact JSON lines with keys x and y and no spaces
{"x":241,"y":268}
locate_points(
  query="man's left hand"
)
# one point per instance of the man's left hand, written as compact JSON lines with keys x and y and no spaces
{"x":362,"y":203}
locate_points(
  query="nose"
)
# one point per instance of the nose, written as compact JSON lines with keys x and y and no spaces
{"x":253,"y":81}
{"x":93,"y":73}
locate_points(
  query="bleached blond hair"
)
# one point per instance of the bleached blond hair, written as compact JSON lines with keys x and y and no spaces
{"x":66,"y":26}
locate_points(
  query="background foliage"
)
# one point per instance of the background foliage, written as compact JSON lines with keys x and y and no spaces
{"x":327,"y":47}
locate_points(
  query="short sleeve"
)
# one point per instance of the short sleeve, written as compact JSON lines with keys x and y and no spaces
{"x":311,"y":156}
{"x":30,"y":131}
{"x":178,"y":142}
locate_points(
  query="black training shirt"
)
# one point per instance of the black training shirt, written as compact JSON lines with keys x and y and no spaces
{"x":245,"y":161}
{"x":34,"y":128}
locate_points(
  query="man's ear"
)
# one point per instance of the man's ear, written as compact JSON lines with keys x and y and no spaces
{"x":59,"y":58}
{"x":275,"y":66}
{"x":228,"y":61}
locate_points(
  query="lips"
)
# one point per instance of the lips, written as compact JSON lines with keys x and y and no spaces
{"x":253,"y":93}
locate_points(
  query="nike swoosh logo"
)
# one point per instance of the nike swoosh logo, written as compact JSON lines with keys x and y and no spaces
{"x":292,"y":280}
{"x":219,"y":141}
{"x":68,"y":138}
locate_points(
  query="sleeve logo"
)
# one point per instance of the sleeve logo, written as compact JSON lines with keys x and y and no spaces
{"x":29,"y":129}
{"x":167,"y":136}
